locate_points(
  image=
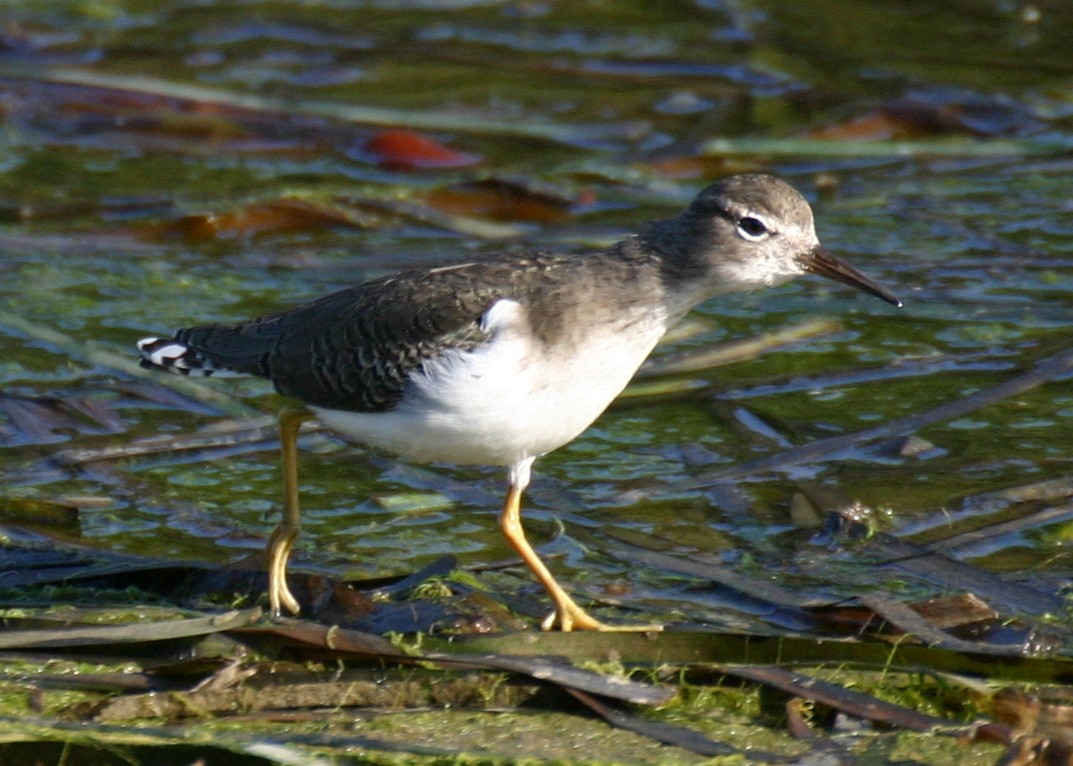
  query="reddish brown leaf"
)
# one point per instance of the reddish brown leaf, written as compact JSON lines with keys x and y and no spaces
{"x":685,"y":167}
{"x":955,"y":611}
{"x":911,"y":118}
{"x":1017,"y":709}
{"x":282,"y":216}
{"x":873,"y":126}
{"x":402,"y":149}
{"x":502,"y":201}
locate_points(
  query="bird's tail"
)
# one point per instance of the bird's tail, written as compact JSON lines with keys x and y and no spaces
{"x":174,"y":356}
{"x":214,"y":349}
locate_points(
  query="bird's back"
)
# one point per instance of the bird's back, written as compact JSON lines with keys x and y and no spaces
{"x":355,"y":349}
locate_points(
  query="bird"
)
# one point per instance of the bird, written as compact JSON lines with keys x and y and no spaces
{"x":502,"y":359}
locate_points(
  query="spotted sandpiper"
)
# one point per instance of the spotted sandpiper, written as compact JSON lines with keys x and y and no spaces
{"x":500,"y":360}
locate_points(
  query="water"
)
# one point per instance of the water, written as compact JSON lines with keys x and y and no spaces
{"x":126,"y":212}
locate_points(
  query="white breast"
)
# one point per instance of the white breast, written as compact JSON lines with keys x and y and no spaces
{"x":513,"y":397}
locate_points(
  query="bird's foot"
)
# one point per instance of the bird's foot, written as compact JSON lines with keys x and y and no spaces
{"x":279,"y":595}
{"x":280,"y":598}
{"x":569,"y":616}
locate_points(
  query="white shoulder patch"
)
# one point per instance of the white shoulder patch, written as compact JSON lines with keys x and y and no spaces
{"x":504,"y":315}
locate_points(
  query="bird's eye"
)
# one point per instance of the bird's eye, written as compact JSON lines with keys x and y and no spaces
{"x":752,"y":229}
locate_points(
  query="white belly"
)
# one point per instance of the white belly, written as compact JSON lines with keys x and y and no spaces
{"x":510,"y":399}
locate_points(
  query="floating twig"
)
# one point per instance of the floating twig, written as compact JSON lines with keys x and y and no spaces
{"x":455,"y":121}
{"x":821,"y":147}
{"x":246,"y":432}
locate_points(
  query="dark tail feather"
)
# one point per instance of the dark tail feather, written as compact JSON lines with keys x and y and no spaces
{"x":242,"y":349}
{"x":173,"y":356}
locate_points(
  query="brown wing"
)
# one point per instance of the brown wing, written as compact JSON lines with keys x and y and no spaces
{"x":355,"y":349}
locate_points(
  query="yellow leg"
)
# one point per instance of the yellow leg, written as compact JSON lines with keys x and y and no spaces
{"x":567,"y":613}
{"x":283,"y":536}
